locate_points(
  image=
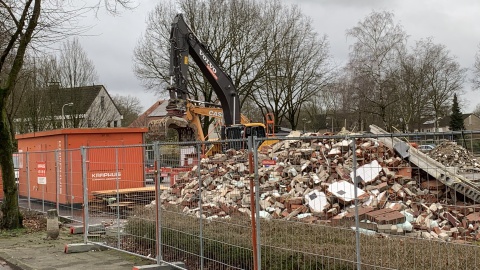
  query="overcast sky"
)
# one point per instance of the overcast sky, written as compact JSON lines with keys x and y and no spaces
{"x":455,"y":24}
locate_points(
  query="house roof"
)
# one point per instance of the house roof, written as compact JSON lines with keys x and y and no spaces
{"x":154,"y":111}
{"x":160,"y":110}
{"x":81,"y":97}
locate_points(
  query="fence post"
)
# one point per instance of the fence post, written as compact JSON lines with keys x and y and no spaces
{"x":253,"y":208}
{"x":256,"y":144}
{"x":357,"y":221}
{"x":118,"y":197}
{"x":27,"y":167}
{"x":85,"y":194}
{"x":200,"y":184}
{"x":72,"y":197}
{"x":57,"y":179}
{"x":158,"y":219}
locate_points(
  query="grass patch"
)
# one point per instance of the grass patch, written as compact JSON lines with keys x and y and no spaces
{"x":12,"y":233}
{"x":292,"y":245}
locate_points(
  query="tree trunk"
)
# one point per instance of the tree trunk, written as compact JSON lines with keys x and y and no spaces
{"x":11,"y":214}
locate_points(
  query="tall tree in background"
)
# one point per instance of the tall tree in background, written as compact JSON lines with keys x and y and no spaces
{"x":444,"y":78}
{"x":74,"y":67}
{"x":297,"y":66}
{"x":129,"y":106}
{"x":397,"y":86}
{"x":476,"y":70}
{"x":456,"y":118}
{"x":411,"y":86}
{"x":36,"y":105}
{"x":373,"y":59}
{"x":250,"y":40}
{"x":20,"y":21}
{"x":217,"y":25}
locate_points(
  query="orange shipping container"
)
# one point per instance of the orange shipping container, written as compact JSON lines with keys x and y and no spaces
{"x":114,"y":159}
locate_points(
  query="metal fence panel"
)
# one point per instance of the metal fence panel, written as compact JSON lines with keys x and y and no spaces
{"x":410,"y":208}
{"x":119,"y":208}
{"x":350,"y":201}
{"x":193,"y":229}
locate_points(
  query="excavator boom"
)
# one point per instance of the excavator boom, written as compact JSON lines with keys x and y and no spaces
{"x":184,"y":114}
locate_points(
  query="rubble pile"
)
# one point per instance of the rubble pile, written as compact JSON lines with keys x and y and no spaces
{"x":311,"y":180}
{"x":453,"y":155}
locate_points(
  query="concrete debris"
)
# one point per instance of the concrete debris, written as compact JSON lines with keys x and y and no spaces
{"x":453,"y":155}
{"x":311,"y":181}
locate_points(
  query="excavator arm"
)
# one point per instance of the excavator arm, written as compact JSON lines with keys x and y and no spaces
{"x":183,"y":115}
{"x":184,"y":43}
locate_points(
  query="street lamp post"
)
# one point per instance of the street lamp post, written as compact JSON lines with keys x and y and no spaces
{"x":63,"y":113}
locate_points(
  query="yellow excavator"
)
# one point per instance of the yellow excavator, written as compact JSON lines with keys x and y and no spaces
{"x":184,"y":114}
{"x":189,"y":127}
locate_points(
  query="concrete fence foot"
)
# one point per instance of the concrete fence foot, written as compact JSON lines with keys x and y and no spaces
{"x":170,"y":266}
{"x":81,"y":247}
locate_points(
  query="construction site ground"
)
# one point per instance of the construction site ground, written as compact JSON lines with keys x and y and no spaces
{"x":29,"y":249}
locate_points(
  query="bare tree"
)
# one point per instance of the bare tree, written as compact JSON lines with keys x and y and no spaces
{"x":296,"y":65}
{"x":20,"y":21}
{"x":48,"y":86}
{"x":74,"y":67}
{"x":476,"y":71}
{"x":410,"y":91}
{"x":151,"y":55}
{"x":232,"y":31}
{"x":373,"y":58}
{"x":253,"y":41}
{"x":340,"y":104}
{"x":476,"y":111}
{"x":24,"y":108}
{"x":444,"y":78}
{"x":129,"y":106}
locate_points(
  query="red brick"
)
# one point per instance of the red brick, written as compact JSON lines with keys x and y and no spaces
{"x":371,"y":215}
{"x":296,"y":200}
{"x":394,"y":217}
{"x":474,"y":217}
{"x":477,"y":236}
{"x":453,"y":220}
{"x":362,"y":211}
{"x":342,"y":173}
{"x":382,"y":186}
{"x":295,"y":206}
{"x":405,"y":172}
{"x":336,"y":220}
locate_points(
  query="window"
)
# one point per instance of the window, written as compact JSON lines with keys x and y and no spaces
{"x":89,"y":123}
{"x":115,"y":123}
{"x":102,"y":103}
